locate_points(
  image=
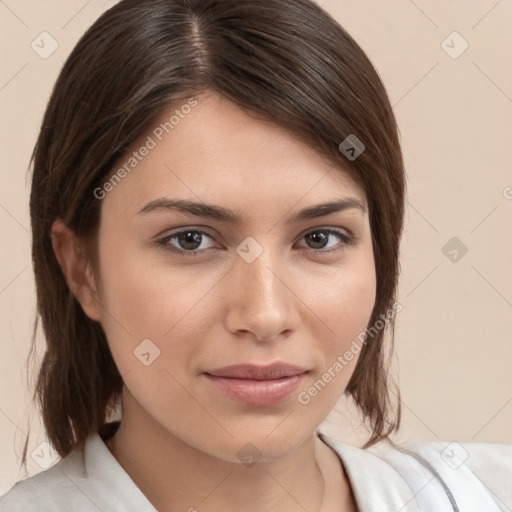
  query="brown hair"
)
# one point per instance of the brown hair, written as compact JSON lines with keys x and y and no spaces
{"x":286,"y":60}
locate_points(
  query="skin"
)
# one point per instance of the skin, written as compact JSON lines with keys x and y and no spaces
{"x":179,"y":436}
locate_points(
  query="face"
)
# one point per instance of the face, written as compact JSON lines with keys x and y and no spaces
{"x":184,"y":294}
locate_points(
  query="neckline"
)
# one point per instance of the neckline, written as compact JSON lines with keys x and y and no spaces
{"x":344,"y":471}
{"x":361,"y":467}
{"x":375,"y":484}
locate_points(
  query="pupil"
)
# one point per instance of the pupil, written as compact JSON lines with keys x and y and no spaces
{"x":319,"y":236}
{"x":191,"y":237}
{"x":318,"y":239}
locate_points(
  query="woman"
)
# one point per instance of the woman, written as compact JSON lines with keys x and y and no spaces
{"x":217,"y":205}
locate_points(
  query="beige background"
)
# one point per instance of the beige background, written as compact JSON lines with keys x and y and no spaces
{"x":454,"y":349}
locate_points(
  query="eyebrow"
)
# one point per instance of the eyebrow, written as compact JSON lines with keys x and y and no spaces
{"x":227,"y":215}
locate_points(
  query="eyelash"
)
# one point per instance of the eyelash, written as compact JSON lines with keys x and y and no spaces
{"x":346,"y":241}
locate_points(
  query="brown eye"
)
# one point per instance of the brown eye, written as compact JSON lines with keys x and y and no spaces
{"x":318,"y":239}
{"x":188,"y":241}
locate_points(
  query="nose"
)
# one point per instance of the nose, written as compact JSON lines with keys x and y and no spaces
{"x":261,"y":302}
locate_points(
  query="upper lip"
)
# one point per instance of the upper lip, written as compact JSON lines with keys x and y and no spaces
{"x":258,"y":372}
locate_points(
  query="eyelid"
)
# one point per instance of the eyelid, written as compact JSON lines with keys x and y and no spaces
{"x":325,"y":227}
{"x":181,"y":229}
{"x":346,"y":238}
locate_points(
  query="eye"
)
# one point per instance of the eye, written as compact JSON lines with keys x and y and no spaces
{"x":187,"y":242}
{"x":319,"y":238}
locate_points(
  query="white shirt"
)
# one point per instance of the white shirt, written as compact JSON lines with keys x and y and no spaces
{"x":383,"y":479}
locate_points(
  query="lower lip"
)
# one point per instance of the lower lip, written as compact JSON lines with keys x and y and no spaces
{"x":257,"y":392}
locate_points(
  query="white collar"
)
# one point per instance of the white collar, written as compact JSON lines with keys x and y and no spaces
{"x":111,"y":488}
{"x":376,"y":485}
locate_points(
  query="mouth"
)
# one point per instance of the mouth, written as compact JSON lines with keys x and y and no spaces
{"x":258,"y":372}
{"x":257,"y":385}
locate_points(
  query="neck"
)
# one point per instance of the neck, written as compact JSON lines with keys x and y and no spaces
{"x":174,"y":475}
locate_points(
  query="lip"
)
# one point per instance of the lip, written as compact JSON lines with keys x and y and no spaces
{"x":257,"y":392}
{"x":257,"y":385}
{"x":258,"y":372}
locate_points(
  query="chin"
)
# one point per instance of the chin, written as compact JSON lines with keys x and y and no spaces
{"x":255,"y":446}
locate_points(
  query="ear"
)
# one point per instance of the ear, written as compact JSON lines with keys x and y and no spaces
{"x":72,"y":260}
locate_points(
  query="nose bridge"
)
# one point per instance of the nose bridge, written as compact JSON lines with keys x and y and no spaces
{"x":261,"y":302}
{"x":260,"y":276}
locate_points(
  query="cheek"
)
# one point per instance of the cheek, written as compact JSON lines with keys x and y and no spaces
{"x":150,"y":299}
{"x":345,"y":308}
{"x":344,"y":298}
{"x":344,"y":301}
{"x":350,"y":308}
{"x":181,"y":310}
{"x":144,"y":300}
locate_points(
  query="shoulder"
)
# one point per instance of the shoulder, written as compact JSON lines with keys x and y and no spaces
{"x":51,"y":489}
{"x":473,"y":476}
{"x":84,"y":480}
{"x":430,"y":476}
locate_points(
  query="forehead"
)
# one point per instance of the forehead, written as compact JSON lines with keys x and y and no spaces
{"x":219,"y":153}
